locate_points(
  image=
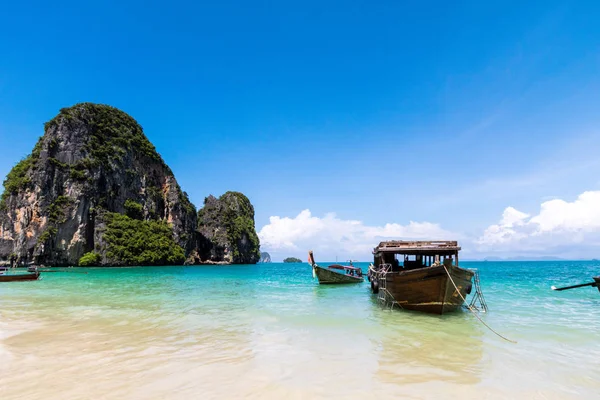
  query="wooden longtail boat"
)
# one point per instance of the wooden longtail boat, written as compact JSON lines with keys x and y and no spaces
{"x":335,"y":273}
{"x":19,"y":277}
{"x":423,"y":279}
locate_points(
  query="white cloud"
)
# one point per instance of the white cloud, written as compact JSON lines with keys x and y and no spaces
{"x":330,"y":235}
{"x":559,"y":226}
{"x":513,"y":217}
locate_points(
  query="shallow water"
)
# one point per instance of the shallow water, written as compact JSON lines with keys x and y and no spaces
{"x":269,"y":331}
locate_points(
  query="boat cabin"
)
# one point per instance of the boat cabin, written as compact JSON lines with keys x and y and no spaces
{"x":348,"y":270}
{"x":404,"y":255}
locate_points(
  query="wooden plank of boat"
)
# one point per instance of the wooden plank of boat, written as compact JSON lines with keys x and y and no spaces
{"x":333,"y":276}
{"x":429,"y":289}
{"x":19,"y":277}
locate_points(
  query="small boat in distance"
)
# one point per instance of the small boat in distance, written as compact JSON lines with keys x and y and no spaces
{"x":334,"y":274}
{"x":8,"y":277}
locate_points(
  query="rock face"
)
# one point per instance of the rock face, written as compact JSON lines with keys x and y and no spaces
{"x":226,"y":231}
{"x":265,"y":257}
{"x":93,"y":160}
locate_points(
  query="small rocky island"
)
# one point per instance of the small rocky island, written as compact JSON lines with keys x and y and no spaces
{"x":265,"y":257}
{"x":292,"y":260}
{"x":94,"y":191}
{"x":226,"y":232}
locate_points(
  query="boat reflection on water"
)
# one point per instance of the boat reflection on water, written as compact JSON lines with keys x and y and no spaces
{"x":417,"y":348}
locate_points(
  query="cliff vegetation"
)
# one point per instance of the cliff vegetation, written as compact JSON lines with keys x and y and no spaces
{"x":130,"y":242}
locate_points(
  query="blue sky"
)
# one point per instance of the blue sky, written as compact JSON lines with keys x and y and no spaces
{"x":387,"y":113}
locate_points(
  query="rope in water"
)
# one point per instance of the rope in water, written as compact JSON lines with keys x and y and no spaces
{"x":471,"y":309}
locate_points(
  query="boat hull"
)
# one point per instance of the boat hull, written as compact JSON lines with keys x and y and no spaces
{"x":327,"y":276}
{"x":428,"y":289}
{"x":19,"y":277}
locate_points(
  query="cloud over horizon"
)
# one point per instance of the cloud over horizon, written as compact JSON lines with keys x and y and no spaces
{"x":330,"y":236}
{"x":559,"y":227}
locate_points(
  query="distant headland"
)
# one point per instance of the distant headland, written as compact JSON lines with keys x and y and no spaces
{"x":524,"y":258}
{"x":265,"y":257}
{"x":292,"y":260}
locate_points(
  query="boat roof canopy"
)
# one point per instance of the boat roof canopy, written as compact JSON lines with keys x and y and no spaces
{"x":428,"y":247}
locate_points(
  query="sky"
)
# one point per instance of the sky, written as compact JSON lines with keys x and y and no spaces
{"x":344,"y":122}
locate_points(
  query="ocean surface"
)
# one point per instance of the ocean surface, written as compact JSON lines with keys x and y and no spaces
{"x":270,"y":331}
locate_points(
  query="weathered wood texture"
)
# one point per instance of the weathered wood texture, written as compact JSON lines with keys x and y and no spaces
{"x":418,"y":246}
{"x":429,"y":289}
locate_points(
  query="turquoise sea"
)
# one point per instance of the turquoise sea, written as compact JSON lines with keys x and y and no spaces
{"x":270,"y":331}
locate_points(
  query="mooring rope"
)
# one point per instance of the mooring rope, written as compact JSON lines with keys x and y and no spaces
{"x":471,"y":308}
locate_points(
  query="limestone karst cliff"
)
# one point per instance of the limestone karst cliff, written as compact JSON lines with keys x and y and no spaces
{"x":264,"y":257}
{"x":94,"y":191}
{"x":92,"y":160}
{"x":226,"y":230}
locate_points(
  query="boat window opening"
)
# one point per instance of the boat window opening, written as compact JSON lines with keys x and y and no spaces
{"x":413,"y":261}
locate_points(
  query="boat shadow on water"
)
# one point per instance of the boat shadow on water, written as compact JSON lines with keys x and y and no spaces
{"x":411,"y":347}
